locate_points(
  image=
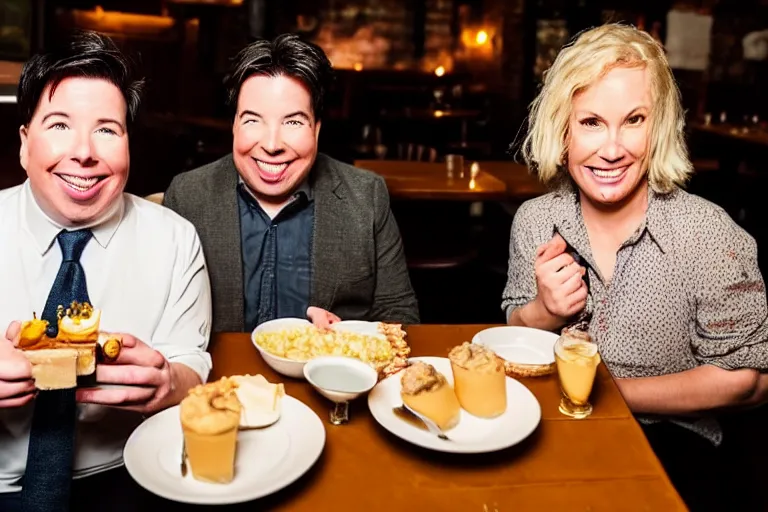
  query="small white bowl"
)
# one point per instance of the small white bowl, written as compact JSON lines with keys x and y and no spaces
{"x":369,"y":377}
{"x":282,"y":365}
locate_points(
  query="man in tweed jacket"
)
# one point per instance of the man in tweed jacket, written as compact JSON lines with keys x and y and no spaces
{"x":284,"y":228}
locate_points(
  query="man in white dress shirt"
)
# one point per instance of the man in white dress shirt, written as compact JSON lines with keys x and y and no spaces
{"x":142,"y":264}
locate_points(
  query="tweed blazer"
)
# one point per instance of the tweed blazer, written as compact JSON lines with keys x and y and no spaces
{"x":358,"y":264}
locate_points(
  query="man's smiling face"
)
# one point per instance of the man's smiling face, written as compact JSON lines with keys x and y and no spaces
{"x":275,"y":136}
{"x":75,"y":150}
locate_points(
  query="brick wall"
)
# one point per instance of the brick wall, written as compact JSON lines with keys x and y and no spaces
{"x":374,"y":34}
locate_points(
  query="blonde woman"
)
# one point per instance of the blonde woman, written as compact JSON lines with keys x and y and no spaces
{"x":675,"y":298}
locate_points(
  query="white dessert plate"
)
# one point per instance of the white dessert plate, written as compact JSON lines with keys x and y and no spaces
{"x":472,"y":434}
{"x":522,"y":345}
{"x":359,"y":327}
{"x":267,"y":460}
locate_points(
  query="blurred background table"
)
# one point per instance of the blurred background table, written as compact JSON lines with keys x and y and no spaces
{"x":9,"y":80}
{"x":740,"y":133}
{"x":429,"y":180}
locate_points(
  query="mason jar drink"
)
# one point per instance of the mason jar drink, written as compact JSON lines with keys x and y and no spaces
{"x":577,"y":359}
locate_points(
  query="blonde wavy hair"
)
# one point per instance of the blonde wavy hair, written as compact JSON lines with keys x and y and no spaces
{"x":580,"y":64}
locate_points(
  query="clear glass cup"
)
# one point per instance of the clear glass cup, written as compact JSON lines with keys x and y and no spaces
{"x":454,"y":164}
{"x":577,"y":358}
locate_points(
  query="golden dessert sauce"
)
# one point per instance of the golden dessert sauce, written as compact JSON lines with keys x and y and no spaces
{"x":479,"y":379}
{"x":210,"y":416}
{"x":426,"y":391}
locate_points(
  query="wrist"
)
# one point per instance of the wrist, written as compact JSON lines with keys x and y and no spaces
{"x":535,"y":314}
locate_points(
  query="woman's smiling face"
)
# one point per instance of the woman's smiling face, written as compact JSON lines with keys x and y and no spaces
{"x":608,"y":136}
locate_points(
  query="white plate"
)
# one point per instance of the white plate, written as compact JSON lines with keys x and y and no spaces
{"x":267,"y":459}
{"x":522,"y":345}
{"x":359,"y":326}
{"x":472,"y":434}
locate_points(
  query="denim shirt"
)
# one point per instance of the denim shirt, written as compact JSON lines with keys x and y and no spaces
{"x":277,"y":257}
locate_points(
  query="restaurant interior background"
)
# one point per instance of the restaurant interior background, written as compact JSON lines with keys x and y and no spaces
{"x":416,"y":80}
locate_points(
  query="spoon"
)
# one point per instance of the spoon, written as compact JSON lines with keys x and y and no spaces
{"x":431,"y":425}
{"x":183,"y":458}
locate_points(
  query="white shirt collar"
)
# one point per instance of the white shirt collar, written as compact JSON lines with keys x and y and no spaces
{"x":44,"y":230}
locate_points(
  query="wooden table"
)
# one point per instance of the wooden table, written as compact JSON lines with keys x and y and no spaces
{"x":9,"y":80}
{"x":734,"y":133}
{"x":603,"y":463}
{"x":496,"y":180}
{"x":521,"y":184}
{"x":427,"y":180}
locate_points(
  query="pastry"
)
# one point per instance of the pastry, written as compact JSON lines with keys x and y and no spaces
{"x":78,"y":333}
{"x":261,"y":400}
{"x":210,"y":416}
{"x":54,"y":368}
{"x":479,"y":379}
{"x":79,"y":324}
{"x":426,"y":391}
{"x":110,"y":346}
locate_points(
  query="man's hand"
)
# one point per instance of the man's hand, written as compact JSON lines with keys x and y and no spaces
{"x":153,"y":377}
{"x":561,"y":290}
{"x":321,"y":318}
{"x":16,"y":384}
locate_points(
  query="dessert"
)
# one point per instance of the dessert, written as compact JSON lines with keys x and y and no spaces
{"x":54,"y":368}
{"x":395,"y":335}
{"x":426,"y":391}
{"x":210,"y":416}
{"x":111,"y":345}
{"x":387,"y":352}
{"x":78,"y":334}
{"x":261,"y":400}
{"x":479,"y":380}
{"x":79,"y":324}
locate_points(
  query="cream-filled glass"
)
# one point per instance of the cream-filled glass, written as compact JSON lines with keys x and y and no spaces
{"x":479,"y":380}
{"x":210,"y":415}
{"x":577,"y":359}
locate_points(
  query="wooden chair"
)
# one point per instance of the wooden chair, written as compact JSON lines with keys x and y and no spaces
{"x":157,"y":197}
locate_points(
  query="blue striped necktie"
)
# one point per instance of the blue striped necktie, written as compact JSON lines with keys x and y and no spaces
{"x":48,"y":476}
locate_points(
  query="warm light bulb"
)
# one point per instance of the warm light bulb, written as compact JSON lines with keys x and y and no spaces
{"x":440,"y":71}
{"x":482,"y":37}
{"x":358,"y":66}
